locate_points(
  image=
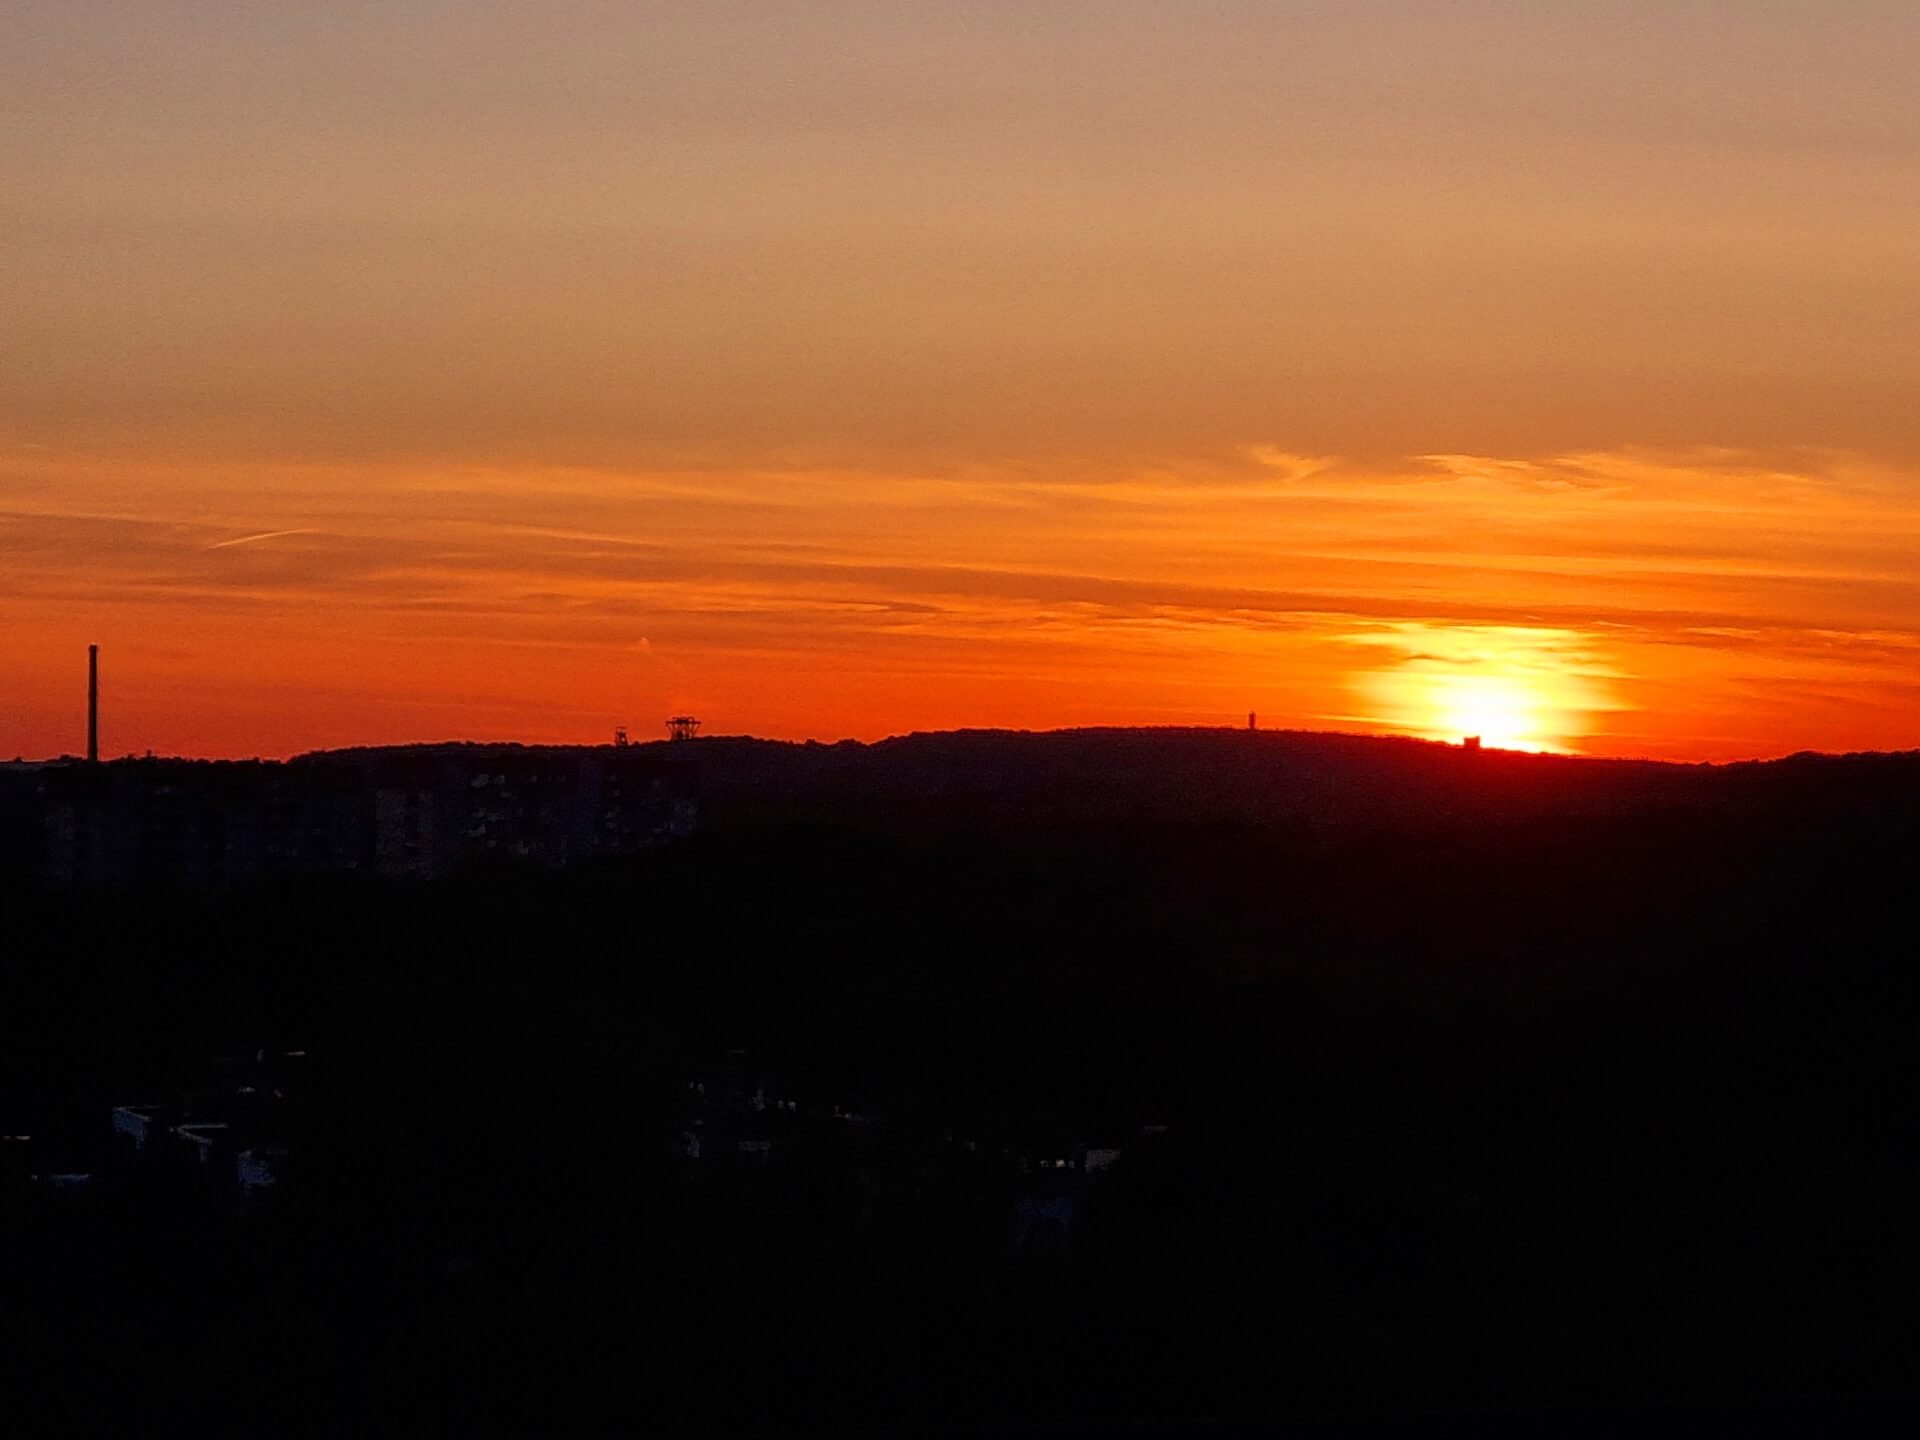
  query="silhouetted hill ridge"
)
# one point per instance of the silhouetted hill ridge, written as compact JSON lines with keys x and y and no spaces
{"x":1187,"y":775}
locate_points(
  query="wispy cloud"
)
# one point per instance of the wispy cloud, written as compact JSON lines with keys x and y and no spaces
{"x":256,"y":539}
{"x":1171,"y":589}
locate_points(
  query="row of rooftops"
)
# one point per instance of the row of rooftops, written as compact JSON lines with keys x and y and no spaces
{"x":401,"y":813}
{"x":735,"y":1109}
{"x":233,"y":1127}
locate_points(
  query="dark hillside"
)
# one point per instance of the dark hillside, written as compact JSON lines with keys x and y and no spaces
{"x":985,"y":1078}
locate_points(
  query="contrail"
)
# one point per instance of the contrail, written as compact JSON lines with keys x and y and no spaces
{"x":249,"y":539}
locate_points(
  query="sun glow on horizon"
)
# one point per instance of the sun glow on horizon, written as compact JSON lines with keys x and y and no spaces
{"x":1503,"y":712}
{"x":1515,"y":688}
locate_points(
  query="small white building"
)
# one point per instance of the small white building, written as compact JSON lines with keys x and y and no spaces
{"x":139,"y":1125}
{"x":258,"y":1171}
{"x":202,"y":1138}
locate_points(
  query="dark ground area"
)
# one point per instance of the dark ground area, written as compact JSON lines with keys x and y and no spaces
{"x":1547,"y":1088}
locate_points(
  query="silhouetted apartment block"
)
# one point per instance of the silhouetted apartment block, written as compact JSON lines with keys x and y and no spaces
{"x":406,"y":840}
{"x":414,"y":813}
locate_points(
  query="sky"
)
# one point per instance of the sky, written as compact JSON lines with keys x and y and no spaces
{"x":389,"y":372}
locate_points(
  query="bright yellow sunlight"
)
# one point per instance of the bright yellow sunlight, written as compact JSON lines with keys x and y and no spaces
{"x":1506,"y":713}
{"x":1515,"y":687}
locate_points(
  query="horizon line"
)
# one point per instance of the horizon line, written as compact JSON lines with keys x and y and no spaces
{"x":1386,"y":737}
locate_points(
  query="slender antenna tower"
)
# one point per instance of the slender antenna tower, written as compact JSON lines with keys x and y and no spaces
{"x":93,"y":704}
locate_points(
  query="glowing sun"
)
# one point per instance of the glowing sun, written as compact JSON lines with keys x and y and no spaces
{"x":1505,"y":712}
{"x":1516,"y":688}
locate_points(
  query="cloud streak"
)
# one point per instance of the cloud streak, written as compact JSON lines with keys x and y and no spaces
{"x":1176,"y":590}
{"x":256,"y":539}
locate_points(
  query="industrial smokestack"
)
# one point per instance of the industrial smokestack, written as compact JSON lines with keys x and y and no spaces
{"x":93,"y":703}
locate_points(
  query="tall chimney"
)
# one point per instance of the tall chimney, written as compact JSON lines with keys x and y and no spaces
{"x":93,"y":703}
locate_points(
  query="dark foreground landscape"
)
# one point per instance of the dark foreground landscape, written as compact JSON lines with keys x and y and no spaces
{"x":962,"y":1081}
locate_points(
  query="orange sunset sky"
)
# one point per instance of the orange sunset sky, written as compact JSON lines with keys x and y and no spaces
{"x":389,"y":372}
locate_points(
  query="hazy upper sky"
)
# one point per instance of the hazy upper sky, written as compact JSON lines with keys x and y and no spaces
{"x":385,"y":371}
